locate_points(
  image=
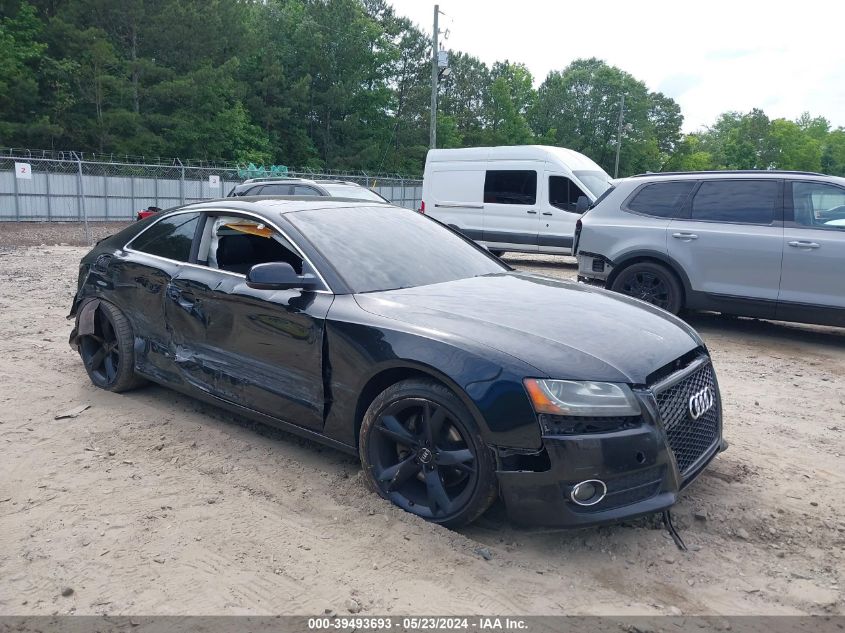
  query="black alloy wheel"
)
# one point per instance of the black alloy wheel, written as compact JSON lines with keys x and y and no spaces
{"x":107,"y":353}
{"x":420,"y":450}
{"x":100,"y":350}
{"x":652,"y":283}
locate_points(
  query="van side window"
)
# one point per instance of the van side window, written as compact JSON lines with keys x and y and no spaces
{"x":743,"y":201}
{"x":661,"y":199}
{"x":563,"y":193}
{"x":510,"y":187}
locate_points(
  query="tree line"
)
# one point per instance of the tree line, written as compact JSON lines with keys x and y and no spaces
{"x":336,"y":84}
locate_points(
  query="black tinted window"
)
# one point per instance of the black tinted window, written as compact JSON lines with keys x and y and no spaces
{"x":661,"y":199}
{"x":170,"y":237}
{"x":303,"y":190}
{"x":382,"y":248}
{"x":275,"y":190}
{"x":510,"y":187}
{"x":563,"y":193}
{"x":746,"y":201}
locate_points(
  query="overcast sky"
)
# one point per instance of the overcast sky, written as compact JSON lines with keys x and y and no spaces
{"x":718,"y":56}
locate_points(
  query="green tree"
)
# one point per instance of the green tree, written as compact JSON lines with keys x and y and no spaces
{"x":21,"y":51}
{"x":579,"y":108}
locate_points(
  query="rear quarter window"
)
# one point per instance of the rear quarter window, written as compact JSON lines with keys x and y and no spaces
{"x":170,"y":237}
{"x":661,"y":199}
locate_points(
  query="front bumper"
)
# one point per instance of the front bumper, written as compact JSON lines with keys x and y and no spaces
{"x":638,"y":466}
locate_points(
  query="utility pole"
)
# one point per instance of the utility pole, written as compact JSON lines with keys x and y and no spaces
{"x":435,"y":71}
{"x":619,"y":135}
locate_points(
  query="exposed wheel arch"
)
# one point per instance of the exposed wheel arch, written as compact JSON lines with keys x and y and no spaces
{"x":392,"y":375}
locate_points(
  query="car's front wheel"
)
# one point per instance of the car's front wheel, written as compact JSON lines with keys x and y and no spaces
{"x":421,"y":449}
{"x":652,"y":283}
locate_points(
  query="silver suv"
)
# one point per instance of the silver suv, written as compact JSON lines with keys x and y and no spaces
{"x":305,"y":187}
{"x":767,"y":244}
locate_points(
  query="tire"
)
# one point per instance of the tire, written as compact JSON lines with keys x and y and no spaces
{"x":108,"y":354}
{"x":651,"y":282}
{"x":497,"y":253}
{"x":421,"y":449}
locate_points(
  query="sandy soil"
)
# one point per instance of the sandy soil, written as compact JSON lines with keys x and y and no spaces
{"x":152,"y":503}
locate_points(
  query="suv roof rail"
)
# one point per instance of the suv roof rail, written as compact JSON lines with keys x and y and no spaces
{"x":273,"y":178}
{"x":727,"y":171}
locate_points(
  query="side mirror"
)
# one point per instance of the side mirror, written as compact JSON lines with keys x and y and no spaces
{"x":278,"y":276}
{"x":582,"y":205}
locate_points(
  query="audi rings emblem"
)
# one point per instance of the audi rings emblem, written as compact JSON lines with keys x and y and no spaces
{"x":701,"y":402}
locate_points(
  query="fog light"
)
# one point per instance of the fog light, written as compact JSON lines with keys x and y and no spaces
{"x":588,"y":493}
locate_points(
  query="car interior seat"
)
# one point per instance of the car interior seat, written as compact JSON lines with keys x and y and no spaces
{"x":235,"y":253}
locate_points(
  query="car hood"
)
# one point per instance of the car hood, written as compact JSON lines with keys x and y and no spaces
{"x":564,"y":329}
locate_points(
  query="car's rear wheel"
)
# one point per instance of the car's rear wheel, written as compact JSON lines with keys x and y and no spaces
{"x":108,"y":352}
{"x":421,"y":449}
{"x":651,"y":282}
{"x":497,"y":253}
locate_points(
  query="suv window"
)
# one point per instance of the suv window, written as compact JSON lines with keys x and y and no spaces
{"x":304,"y":190}
{"x":510,"y":187}
{"x":274,"y":190}
{"x":661,"y":199}
{"x":744,"y":201}
{"x":563,"y":193}
{"x":170,"y":237}
{"x":818,"y":205}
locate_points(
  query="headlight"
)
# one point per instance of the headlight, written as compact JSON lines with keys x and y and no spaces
{"x":570,"y":397}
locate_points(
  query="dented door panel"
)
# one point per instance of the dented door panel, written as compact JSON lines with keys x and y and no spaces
{"x":257,"y":348}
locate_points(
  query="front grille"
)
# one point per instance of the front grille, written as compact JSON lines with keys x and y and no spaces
{"x":689,"y":439}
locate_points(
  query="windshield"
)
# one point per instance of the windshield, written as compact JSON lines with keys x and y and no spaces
{"x":384,"y":247}
{"x":596,"y":181}
{"x":352,"y":191}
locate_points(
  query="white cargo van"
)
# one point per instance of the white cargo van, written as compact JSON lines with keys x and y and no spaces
{"x":520,"y":198}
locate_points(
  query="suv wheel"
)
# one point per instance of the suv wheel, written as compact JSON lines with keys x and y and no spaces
{"x":651,"y":282}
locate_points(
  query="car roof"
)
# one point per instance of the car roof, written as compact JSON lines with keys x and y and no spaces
{"x":726,"y":173}
{"x":267,"y":205}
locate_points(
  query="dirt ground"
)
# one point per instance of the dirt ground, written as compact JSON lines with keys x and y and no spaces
{"x":152,"y":503}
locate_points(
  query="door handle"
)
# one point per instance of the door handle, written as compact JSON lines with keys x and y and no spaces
{"x":803,"y":244}
{"x":547,"y":213}
{"x":685,"y":236}
{"x":532,"y":212}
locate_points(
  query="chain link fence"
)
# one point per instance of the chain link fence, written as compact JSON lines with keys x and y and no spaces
{"x":71,"y":186}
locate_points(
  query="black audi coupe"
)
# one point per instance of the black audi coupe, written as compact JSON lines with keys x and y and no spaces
{"x":382,"y":332}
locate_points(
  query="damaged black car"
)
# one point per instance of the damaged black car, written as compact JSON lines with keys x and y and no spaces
{"x":383,"y":333}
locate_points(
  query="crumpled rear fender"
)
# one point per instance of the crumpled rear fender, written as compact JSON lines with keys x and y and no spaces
{"x":85,"y":314}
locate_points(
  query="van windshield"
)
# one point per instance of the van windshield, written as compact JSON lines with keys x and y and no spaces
{"x":596,"y":181}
